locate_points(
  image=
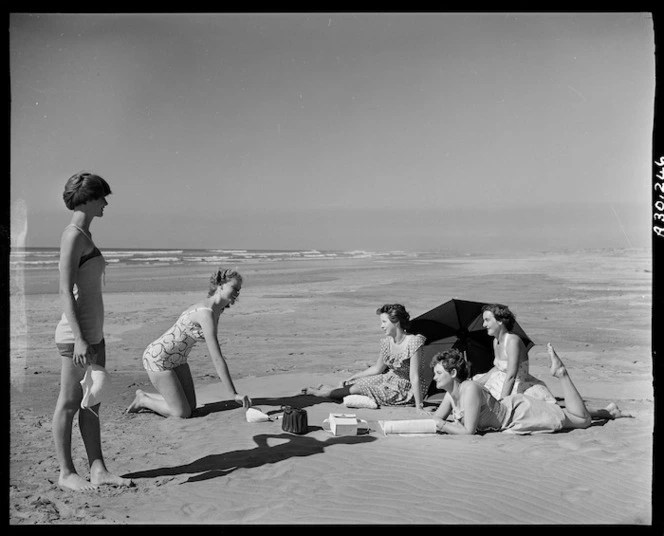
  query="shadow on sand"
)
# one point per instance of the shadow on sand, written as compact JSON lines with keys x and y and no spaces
{"x":296,"y":401}
{"x":216,"y":465}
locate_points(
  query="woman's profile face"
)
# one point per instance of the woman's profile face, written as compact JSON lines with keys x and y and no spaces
{"x":442,"y":378}
{"x":97,"y":206}
{"x":490,"y":323}
{"x":387,"y":325}
{"x":230,"y":290}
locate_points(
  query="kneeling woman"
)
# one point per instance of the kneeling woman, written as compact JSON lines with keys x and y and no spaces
{"x":474,"y":409}
{"x":165,"y":359}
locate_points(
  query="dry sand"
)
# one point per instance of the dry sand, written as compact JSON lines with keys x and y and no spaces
{"x":305,"y":322}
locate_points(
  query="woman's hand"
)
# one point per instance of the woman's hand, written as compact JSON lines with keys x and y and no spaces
{"x":439,"y":423}
{"x":421,"y":410}
{"x":83,"y":353}
{"x":244,"y":400}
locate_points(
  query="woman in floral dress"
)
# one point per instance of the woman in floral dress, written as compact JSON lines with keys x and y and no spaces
{"x":395,"y":379}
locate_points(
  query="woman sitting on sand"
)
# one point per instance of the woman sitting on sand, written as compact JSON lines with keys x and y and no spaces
{"x":394,"y":380}
{"x":475,"y":409}
{"x":165,"y":359}
{"x":79,"y":335}
{"x":510,"y":373}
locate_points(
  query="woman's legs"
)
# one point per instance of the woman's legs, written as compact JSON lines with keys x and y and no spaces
{"x":91,"y":432}
{"x":610,"y":412}
{"x":334,"y":392}
{"x":328,"y":391}
{"x":576,"y":413}
{"x":69,"y":402}
{"x":187,"y":382}
{"x":175,"y":398}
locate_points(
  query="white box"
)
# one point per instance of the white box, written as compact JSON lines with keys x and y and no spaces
{"x":343,"y":424}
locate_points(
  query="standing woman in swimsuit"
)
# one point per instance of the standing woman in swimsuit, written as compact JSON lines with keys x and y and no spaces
{"x":165,"y":359}
{"x":79,"y":334}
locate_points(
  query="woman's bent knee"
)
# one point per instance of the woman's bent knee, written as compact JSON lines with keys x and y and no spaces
{"x":182,"y":411}
{"x":577,"y":421}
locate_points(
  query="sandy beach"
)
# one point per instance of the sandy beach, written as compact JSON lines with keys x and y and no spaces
{"x":301,"y":323}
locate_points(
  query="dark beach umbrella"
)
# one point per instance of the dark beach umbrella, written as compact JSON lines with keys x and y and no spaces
{"x":458,"y":324}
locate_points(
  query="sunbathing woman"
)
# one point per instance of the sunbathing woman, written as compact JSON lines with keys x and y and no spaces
{"x":394,"y":380}
{"x":474,"y":409}
{"x":165,"y":359}
{"x":510,"y":373}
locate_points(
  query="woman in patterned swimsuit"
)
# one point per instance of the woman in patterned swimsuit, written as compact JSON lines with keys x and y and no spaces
{"x":79,"y":335}
{"x":165,"y":359}
{"x":474,"y":409}
{"x":395,"y":379}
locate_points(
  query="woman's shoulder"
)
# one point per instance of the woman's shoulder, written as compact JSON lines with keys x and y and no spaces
{"x":470,"y":386}
{"x":197,"y":307}
{"x":415,"y":340}
{"x":73,"y":234}
{"x":512,"y":339}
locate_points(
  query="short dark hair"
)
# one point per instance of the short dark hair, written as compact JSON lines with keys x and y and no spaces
{"x":502,"y":314}
{"x":451,"y":360}
{"x":396,"y":313}
{"x":83,"y":187}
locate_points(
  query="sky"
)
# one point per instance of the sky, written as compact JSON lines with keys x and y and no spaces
{"x":473,"y":132}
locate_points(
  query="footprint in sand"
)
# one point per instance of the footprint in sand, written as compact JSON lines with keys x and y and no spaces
{"x":196,"y":511}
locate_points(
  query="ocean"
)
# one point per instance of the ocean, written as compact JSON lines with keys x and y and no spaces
{"x":36,"y":258}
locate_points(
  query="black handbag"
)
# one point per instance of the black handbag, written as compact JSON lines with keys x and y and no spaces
{"x":294,"y":420}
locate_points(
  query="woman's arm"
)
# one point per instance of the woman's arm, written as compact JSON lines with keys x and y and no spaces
{"x":205,"y":319}
{"x":377,"y":368}
{"x":415,"y":360}
{"x":443,"y":411}
{"x":513,"y":352}
{"x":71,"y":250}
{"x":471,"y":404}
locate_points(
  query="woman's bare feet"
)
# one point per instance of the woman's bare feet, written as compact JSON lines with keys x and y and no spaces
{"x":75,"y":482}
{"x":322,"y":391}
{"x":102,"y":477}
{"x":615,"y":412}
{"x":557,"y":367}
{"x":137,"y":404}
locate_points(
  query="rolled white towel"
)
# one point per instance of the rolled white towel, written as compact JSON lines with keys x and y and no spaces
{"x":360,"y":401}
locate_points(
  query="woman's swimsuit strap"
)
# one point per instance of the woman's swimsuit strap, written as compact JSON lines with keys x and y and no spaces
{"x":87,"y":235}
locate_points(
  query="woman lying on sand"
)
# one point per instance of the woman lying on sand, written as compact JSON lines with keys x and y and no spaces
{"x":165,"y":359}
{"x":510,"y":373}
{"x":79,"y":335}
{"x":474,"y":408}
{"x":391,"y":380}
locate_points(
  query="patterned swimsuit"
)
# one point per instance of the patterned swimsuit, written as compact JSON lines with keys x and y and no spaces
{"x":172,"y":348}
{"x":393,"y":388}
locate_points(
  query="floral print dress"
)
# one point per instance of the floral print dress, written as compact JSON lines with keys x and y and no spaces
{"x":393,"y":387}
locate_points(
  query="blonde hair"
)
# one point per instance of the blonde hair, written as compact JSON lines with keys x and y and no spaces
{"x":219,"y":277}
